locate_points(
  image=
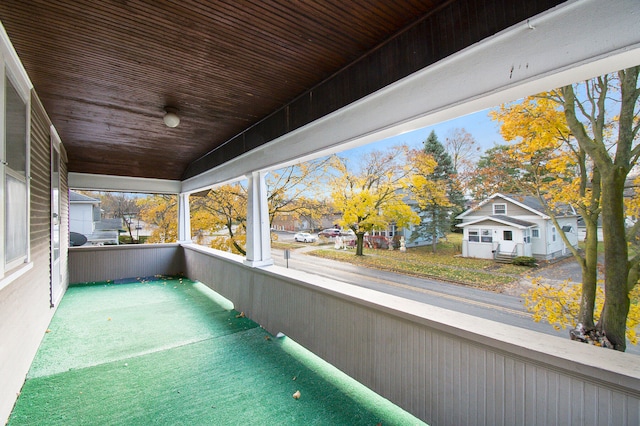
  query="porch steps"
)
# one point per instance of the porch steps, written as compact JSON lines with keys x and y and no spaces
{"x":504,"y":257}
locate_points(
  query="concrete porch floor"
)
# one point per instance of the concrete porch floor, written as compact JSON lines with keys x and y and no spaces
{"x":171,"y":351}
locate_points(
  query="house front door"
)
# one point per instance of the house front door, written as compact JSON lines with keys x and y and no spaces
{"x":507,"y":241}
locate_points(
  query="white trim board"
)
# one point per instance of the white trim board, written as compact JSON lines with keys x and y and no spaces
{"x":94,"y":182}
{"x":575,"y":41}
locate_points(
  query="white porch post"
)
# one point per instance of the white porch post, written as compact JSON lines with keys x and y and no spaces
{"x":184,"y":219}
{"x":258,"y":237}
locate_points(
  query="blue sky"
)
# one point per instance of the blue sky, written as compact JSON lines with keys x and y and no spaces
{"x":485,"y":131}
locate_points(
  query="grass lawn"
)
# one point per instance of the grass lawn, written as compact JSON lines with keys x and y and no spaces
{"x":581,"y":246}
{"x":289,"y":245}
{"x":446,"y":264}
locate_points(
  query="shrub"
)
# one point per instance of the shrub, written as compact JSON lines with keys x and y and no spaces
{"x":524,"y":261}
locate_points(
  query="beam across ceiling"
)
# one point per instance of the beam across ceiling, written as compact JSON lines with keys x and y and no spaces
{"x":575,"y":41}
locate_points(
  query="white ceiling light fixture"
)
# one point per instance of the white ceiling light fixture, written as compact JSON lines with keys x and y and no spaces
{"x":171,"y":118}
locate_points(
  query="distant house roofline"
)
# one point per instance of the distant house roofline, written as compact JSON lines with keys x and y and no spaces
{"x":526,"y":203}
{"x":77,"y":198}
{"x":502,"y":219}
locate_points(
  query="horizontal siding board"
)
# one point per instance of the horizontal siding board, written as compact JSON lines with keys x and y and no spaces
{"x":91,"y":264}
{"x":25,"y":310}
{"x":442,"y":377}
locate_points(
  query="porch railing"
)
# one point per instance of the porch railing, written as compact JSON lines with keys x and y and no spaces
{"x":445,"y":367}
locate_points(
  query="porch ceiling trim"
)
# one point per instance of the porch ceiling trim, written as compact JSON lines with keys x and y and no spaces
{"x":572,"y":42}
{"x":95,"y":182}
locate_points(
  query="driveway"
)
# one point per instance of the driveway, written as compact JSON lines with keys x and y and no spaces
{"x":554,"y":273}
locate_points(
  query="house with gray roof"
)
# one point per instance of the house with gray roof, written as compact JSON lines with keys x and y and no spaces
{"x":507,"y":226}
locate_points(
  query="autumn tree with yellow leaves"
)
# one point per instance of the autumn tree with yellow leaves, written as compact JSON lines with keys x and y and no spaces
{"x":559,"y":305}
{"x":221,"y":208}
{"x":603,"y":115}
{"x":554,"y":168}
{"x":495,"y":171}
{"x":161,"y":212}
{"x":225,"y":207}
{"x":295,"y":190}
{"x":370,"y":193}
{"x":430,"y":194}
{"x":589,"y":130}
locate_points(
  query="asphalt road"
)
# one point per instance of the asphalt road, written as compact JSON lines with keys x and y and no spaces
{"x":497,"y":307}
{"x":503,"y":308}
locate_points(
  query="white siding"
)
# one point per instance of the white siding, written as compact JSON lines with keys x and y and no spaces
{"x":81,"y":219}
{"x":445,"y":367}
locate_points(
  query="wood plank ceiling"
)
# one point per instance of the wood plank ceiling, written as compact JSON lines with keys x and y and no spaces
{"x":105,"y":70}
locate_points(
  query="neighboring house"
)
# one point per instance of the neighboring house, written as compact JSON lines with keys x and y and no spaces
{"x":413,"y":240}
{"x":85,"y":218}
{"x":84,"y":212}
{"x":287,"y":222}
{"x":395,"y":233}
{"x":516,"y":225}
{"x":582,"y":229}
{"x":412,"y":235}
{"x":330,"y":220}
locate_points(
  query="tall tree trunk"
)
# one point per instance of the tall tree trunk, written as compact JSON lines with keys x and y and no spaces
{"x":359,"y":243}
{"x":235,"y":244}
{"x":589,"y":276}
{"x":590,"y":214}
{"x":434,"y":236}
{"x":616,"y":270}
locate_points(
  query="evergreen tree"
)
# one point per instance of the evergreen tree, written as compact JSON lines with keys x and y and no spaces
{"x":437,"y":219}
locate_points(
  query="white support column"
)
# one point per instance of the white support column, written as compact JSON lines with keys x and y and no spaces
{"x":258,"y":231}
{"x":184,"y":219}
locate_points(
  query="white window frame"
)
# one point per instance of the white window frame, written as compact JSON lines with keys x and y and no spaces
{"x":486,"y":234}
{"x":502,"y":205}
{"x":535,"y":232}
{"x":476,"y":234}
{"x":553,"y":234}
{"x":12,"y":69}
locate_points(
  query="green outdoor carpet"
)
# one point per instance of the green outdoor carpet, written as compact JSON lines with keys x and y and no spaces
{"x":170,"y":351}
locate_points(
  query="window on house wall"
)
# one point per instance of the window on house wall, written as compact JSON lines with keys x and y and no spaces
{"x":553,"y":233}
{"x":507,"y":235}
{"x":480,"y":236}
{"x":527,"y":236}
{"x":499,"y":209}
{"x":535,"y":233}
{"x":14,"y":146}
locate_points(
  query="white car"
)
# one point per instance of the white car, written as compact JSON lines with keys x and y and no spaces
{"x":305,"y":237}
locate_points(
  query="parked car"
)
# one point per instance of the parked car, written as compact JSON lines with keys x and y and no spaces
{"x":328,"y":233}
{"x":305,"y":237}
